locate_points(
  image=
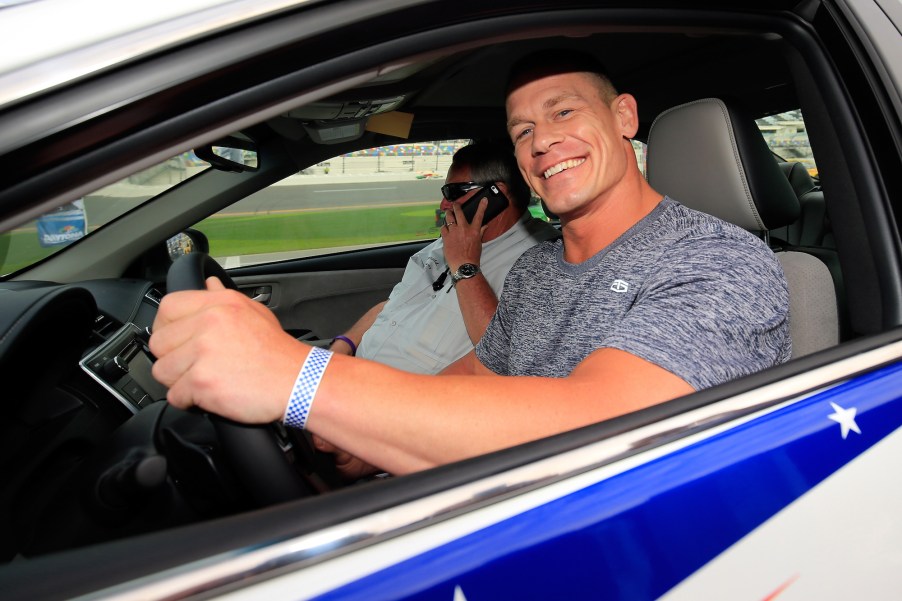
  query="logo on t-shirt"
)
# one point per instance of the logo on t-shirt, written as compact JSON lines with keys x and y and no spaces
{"x":620,"y":286}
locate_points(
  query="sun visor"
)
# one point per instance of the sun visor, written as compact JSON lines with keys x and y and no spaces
{"x":394,"y":123}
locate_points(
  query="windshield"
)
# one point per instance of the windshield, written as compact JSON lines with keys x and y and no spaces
{"x":60,"y":227}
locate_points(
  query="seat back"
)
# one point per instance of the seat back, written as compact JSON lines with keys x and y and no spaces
{"x":812,"y":228}
{"x":711,"y":157}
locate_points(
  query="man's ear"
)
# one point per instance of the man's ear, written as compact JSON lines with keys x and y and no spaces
{"x":627,"y":111}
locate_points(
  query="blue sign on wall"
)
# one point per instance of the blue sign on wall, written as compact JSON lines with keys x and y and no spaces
{"x":63,"y":226}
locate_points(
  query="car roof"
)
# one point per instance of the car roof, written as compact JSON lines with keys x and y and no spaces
{"x":123,"y":32}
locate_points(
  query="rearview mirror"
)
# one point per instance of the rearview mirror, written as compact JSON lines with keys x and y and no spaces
{"x":234,"y":153}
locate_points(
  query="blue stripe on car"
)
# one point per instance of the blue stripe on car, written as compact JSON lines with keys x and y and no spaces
{"x":638,"y":534}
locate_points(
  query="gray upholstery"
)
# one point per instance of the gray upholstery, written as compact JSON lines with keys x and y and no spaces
{"x":711,"y":157}
{"x":716,"y":158}
{"x":813,"y":314}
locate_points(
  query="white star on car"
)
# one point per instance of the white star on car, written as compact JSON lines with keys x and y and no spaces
{"x":845,"y":418}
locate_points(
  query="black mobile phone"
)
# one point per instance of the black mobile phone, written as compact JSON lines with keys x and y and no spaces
{"x":497,"y":203}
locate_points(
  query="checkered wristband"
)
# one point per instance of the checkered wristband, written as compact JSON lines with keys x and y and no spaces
{"x":305,"y":387}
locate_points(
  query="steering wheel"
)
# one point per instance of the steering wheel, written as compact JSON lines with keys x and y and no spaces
{"x":190,"y":272}
{"x":253,"y":451}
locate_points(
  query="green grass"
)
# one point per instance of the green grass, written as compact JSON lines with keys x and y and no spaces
{"x":233,"y":235}
{"x":21,"y":248}
{"x":302,"y":230}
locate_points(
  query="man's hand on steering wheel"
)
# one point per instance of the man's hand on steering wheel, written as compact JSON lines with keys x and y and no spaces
{"x":198,"y":336}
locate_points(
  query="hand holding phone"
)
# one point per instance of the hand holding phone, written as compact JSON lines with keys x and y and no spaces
{"x":497,"y":203}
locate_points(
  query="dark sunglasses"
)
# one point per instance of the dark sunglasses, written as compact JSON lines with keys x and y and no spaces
{"x":452,"y":192}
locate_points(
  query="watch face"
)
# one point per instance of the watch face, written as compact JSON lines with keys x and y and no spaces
{"x":467,"y":270}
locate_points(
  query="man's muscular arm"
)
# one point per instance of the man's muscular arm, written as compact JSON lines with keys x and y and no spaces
{"x":224,"y":353}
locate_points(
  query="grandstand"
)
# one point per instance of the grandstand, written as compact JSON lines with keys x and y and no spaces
{"x":787,"y":137}
{"x":428,"y":159}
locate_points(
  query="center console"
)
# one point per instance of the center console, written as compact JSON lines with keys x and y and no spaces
{"x":122,"y":365}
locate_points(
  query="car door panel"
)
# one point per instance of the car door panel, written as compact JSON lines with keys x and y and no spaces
{"x":317,"y":298}
{"x":325,"y":303}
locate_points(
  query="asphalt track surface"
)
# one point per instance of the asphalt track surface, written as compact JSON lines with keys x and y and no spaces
{"x":287,"y":198}
{"x":341,"y":195}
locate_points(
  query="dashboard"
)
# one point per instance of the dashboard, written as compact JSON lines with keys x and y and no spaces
{"x":111,"y":341}
{"x":89,"y":449}
{"x":76,"y":369}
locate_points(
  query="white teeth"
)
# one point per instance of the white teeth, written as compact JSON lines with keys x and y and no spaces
{"x":564,"y":165}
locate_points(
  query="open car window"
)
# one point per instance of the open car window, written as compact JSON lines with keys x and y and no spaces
{"x":366,"y":198}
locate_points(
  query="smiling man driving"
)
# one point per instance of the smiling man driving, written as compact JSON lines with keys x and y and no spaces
{"x":643,"y":300}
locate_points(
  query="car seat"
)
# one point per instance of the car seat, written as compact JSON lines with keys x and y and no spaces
{"x":812,"y":228}
{"x":710,"y":156}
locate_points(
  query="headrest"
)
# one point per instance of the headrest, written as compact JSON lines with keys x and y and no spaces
{"x":711,"y":157}
{"x":798,"y":177}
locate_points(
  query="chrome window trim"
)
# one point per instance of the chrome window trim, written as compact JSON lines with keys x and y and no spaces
{"x":581,"y":467}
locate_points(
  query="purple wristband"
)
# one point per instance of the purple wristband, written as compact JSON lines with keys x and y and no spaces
{"x":350,"y":344}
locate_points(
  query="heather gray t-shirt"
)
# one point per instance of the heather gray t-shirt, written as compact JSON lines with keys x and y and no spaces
{"x":695,"y":295}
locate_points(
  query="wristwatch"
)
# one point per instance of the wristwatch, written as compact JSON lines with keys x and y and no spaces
{"x":465,"y":271}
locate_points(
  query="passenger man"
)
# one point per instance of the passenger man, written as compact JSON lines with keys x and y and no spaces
{"x":641,"y":301}
{"x":431,"y":320}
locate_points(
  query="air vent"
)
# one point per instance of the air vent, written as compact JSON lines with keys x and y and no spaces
{"x":154,"y":296}
{"x":104,"y":325}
